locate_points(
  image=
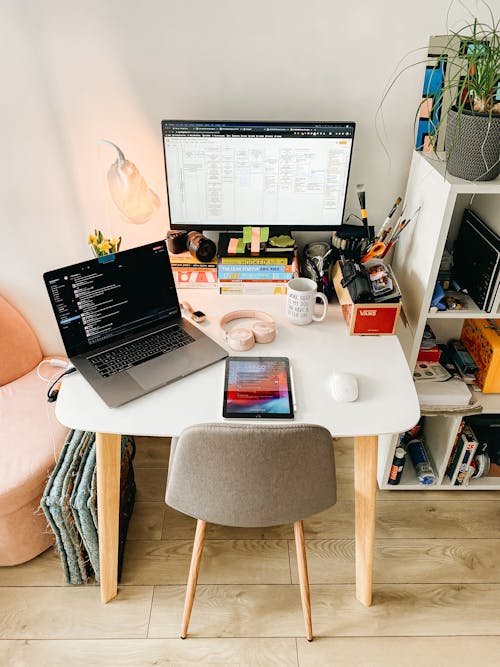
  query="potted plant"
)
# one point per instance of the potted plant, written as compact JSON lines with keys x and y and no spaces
{"x":460,"y":109}
{"x":103,"y":246}
{"x":471,"y":101}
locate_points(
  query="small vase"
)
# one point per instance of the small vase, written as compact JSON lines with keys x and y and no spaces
{"x":472,"y":145}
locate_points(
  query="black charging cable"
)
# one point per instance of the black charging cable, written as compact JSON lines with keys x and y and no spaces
{"x":53,"y":390}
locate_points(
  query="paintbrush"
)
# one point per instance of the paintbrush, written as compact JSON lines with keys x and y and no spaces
{"x":362,"y":202}
{"x":386,"y":228}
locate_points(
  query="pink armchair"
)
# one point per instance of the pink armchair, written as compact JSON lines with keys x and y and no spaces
{"x":30,"y":441}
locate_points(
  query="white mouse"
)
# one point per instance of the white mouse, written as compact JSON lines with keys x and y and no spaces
{"x":344,"y":387}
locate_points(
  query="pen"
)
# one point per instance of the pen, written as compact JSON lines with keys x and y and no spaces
{"x":292,"y":388}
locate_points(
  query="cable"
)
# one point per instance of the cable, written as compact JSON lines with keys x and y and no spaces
{"x":352,"y":215}
{"x":61,"y":363}
{"x":53,"y":392}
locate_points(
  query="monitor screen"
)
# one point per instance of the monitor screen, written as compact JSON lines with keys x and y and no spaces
{"x":228,"y":174}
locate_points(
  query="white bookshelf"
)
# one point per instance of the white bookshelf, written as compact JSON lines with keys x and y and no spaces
{"x":416,"y":261}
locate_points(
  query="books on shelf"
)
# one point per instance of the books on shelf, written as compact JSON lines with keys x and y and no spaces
{"x":455,"y":452}
{"x":487,"y":430}
{"x":459,"y":469}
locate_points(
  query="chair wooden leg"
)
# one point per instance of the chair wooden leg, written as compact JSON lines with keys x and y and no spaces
{"x":298,"y":529}
{"x":194,"y":568}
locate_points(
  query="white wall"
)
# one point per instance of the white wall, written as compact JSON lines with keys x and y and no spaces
{"x":76,"y":71}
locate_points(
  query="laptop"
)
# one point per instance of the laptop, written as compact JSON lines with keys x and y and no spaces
{"x":121,"y":323}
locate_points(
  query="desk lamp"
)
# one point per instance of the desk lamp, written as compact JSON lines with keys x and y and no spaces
{"x":129,"y":191}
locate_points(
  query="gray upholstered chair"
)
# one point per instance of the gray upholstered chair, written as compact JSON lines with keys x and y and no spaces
{"x":251,"y":476}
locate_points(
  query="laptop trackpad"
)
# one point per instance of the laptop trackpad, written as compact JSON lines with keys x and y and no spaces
{"x":160,"y":371}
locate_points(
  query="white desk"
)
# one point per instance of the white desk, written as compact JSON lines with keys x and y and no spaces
{"x":387,"y":403}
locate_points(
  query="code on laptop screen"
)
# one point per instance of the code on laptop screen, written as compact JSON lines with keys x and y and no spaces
{"x":111,"y":296}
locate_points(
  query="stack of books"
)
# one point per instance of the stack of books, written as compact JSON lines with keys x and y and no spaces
{"x":243,"y":273}
{"x":190,"y":272}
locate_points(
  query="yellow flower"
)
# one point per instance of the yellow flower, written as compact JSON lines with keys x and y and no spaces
{"x":104,"y":246}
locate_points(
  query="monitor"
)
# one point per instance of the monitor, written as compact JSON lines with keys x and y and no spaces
{"x":229,"y":174}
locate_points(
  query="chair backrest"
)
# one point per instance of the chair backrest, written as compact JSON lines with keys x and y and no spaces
{"x":245,"y":475}
{"x":19,"y":347}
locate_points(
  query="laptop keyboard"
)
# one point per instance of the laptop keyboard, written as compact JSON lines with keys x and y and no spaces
{"x":138,"y":351}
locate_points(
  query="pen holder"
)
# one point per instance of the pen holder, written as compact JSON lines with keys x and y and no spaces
{"x":317,"y":260}
{"x":368,"y":319}
{"x":350,"y":241}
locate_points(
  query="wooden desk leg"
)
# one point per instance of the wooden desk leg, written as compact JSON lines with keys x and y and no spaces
{"x":365,"y":488}
{"x":108,"y":461}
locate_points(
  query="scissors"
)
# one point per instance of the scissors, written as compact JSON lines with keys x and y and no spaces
{"x":375,"y":250}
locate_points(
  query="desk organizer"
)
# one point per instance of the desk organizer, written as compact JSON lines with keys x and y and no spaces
{"x":366,"y":319}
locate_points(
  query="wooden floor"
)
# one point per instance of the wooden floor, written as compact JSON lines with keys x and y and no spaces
{"x":436,"y":590}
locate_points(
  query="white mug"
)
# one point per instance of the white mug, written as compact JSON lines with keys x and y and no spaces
{"x":301,"y":299}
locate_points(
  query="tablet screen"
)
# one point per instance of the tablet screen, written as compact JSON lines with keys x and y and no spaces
{"x":258,"y":387}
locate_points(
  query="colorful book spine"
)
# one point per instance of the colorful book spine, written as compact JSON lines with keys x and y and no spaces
{"x":255,"y":275}
{"x":254,"y":288}
{"x":194,"y":277}
{"x":186,"y":259}
{"x":254,"y":261}
{"x":250,"y":268}
{"x":253,"y":282}
{"x":465,"y":469}
{"x":453,"y":458}
{"x":194,"y":267}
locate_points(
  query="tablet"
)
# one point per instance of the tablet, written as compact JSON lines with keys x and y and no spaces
{"x":257,"y":388}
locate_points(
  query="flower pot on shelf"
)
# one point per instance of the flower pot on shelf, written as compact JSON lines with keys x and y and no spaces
{"x":473,"y":145}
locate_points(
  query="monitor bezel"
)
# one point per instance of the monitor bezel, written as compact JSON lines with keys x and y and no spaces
{"x":284,"y":123}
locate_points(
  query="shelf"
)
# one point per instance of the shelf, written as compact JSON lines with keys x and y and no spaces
{"x":470,"y":311}
{"x":441,"y":199}
{"x":409,"y":480}
{"x":481,"y":484}
{"x":490,"y":402}
{"x":409,"y":483}
{"x":458,"y":184}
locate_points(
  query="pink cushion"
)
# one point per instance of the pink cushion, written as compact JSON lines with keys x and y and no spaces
{"x":30,"y":441}
{"x":24,"y":534}
{"x":19,"y":348}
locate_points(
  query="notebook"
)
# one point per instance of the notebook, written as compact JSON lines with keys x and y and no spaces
{"x":476,"y":259}
{"x":121,"y":324}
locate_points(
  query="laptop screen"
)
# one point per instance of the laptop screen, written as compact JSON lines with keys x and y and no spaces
{"x":112,"y":296}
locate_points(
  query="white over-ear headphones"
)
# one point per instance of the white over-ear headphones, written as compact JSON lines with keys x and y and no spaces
{"x":262,"y":331}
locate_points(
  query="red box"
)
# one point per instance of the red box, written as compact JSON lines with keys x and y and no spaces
{"x":429,"y":355}
{"x":367,"y":319}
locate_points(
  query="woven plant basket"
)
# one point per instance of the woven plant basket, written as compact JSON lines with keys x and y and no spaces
{"x":473,"y":145}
